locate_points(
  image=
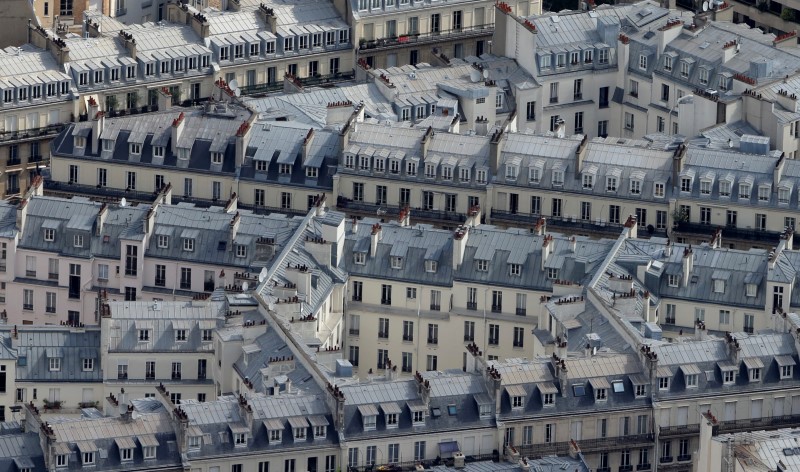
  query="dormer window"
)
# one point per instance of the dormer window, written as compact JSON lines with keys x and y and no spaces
{"x":83,"y":78}
{"x":784,"y":194}
{"x":158,"y":151}
{"x":447,"y":173}
{"x":87,"y":458}
{"x":126,"y":454}
{"x":240,"y":439}
{"x":275,"y":436}
{"x":77,"y":240}
{"x":588,"y":181}
{"x":164,"y":67}
{"x":285,"y":169}
{"x":188,"y":244}
{"x":61,"y":460}
{"x":764,"y":192}
{"x":261,"y":166}
{"x":663,"y":383}
{"x":238,"y":51}
{"x":558,"y":177}
{"x":254,"y":49}
{"x":54,"y":364}
{"x":517,"y":401}
{"x":144,"y":335}
{"x":288,"y":44}
{"x":135,"y":148}
{"x":515,"y":269}
{"x":668,"y":63}
{"x":194,"y":442}
{"x":369,"y":422}
{"x":751,"y":290}
{"x":320,"y":431}
{"x":534,"y":175}
{"x":511,"y":172}
{"x":430,"y":171}
{"x":391,"y":420}
{"x":360,"y":258}
{"x":724,"y":188}
{"x":241,"y":250}
{"x":149,"y":452}
{"x":108,"y":144}
{"x":364,"y":163}
{"x":673,"y":280}
{"x":640,"y":390}
{"x":431,"y":266}
{"x":216,"y":157}
{"x":705,"y":187}
{"x":397,"y":262}
{"x":611,"y":184}
{"x":686,"y":184}
{"x":149,"y":69}
{"x":312,"y":172}
{"x":180,"y":335}
{"x":719,"y":286}
{"x":224,"y":54}
{"x":786,"y":372}
{"x":79,"y":142}
{"x":178,"y":65}
{"x":482,"y":265}
{"x":691,"y":381}
{"x":659,"y":190}
{"x":601,"y":394}
{"x":728,"y":377}
{"x":418,"y":417}
{"x":88,"y":364}
{"x":163,"y":241}
{"x":49,"y":234}
{"x":755,"y":375}
{"x":552,"y":273}
{"x":744,"y":191}
{"x":98,"y":77}
{"x":380,"y":164}
{"x":480,"y":176}
{"x":548,"y":399}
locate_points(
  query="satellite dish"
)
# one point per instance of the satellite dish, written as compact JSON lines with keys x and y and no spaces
{"x":245,"y":286}
{"x":474,"y":75}
{"x":705,"y":6}
{"x":485,"y":73}
{"x":233,"y":84}
{"x":237,"y":92}
{"x":123,"y":202}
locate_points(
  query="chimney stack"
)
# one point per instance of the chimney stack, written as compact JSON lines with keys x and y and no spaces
{"x":547,"y":249}
{"x":460,"y":237}
{"x":688,"y":264}
{"x":177,"y":130}
{"x":234,"y":226}
{"x":374,"y":238}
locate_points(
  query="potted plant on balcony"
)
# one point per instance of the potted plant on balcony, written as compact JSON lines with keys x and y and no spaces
{"x":679,"y":216}
{"x":111,"y":104}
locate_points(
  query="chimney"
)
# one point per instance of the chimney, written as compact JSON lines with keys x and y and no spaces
{"x":374,"y":238}
{"x":354,"y":226}
{"x":481,"y":126}
{"x":234,"y":226}
{"x":243,"y":135}
{"x":267,"y":15}
{"x":166,"y":194}
{"x":460,"y":237}
{"x":547,"y":249}
{"x":580,"y":155}
{"x":495,"y":150}
{"x":788,"y":236}
{"x":101,"y":219}
{"x":320,"y":205}
{"x":473,"y":216}
{"x":22,"y":215}
{"x":688,"y":263}
{"x":573,"y":244}
{"x":541,"y":227}
{"x":668,"y":248}
{"x":426,"y":141}
{"x":309,"y":139}
{"x":404,"y":218}
{"x":729,"y":49}
{"x":777,"y":172}
{"x":150,"y":220}
{"x":129,"y":42}
{"x":648,"y":310}
{"x":716,"y":239}
{"x":700,"y":331}
{"x":177,"y":129}
{"x":632,"y":227}
{"x":233,"y":204}
{"x":561,"y":128}
{"x":164,"y":99}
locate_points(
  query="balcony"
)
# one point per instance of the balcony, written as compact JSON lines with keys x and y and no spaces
{"x":497,"y":308}
{"x":389,"y":211}
{"x":665,"y":459}
{"x":27,"y":306}
{"x":577,"y":96}
{"x":521,"y":311}
{"x":50,"y":309}
{"x":277,"y":86}
{"x":536,"y":451}
{"x":675,"y":431}
{"x":436,"y":307}
{"x":176,"y":376}
{"x":685,"y":458}
{"x":775,"y":422}
{"x":122,"y":376}
{"x":354,"y":332}
{"x":408,"y":337}
{"x":433,"y":340}
{"x":494,"y":341}
{"x":356,"y":298}
{"x":386,"y":301}
{"x":631,"y":441}
{"x":529,"y":220}
{"x":161,"y":282}
{"x":150,"y":376}
{"x":625,"y":468}
{"x":472,"y":305}
{"x":468,"y":338}
{"x":383,"y":334}
{"x":33,"y":133}
{"x":603,"y":469}
{"x":730,"y":232}
{"x":52,"y":276}
{"x":644,"y":467}
{"x":405,"y":40}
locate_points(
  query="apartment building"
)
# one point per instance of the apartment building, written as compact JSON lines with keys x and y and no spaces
{"x":37,"y":98}
{"x":747,"y":451}
{"x":398,"y":32}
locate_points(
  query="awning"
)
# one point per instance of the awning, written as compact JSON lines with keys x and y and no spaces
{"x":368,"y":410}
{"x":62,"y":449}
{"x":483,"y":399}
{"x":318,"y":420}
{"x":785,"y":360}
{"x":447,"y":448}
{"x":148,"y":440}
{"x":690,"y":369}
{"x":516,"y":391}
{"x":125,"y":443}
{"x":546,"y":387}
{"x":86,"y":446}
{"x":727,"y":366}
{"x":753,"y":363}
{"x":273,"y":424}
{"x":599,"y":383}
{"x":298,"y":422}
{"x":238,"y":428}
{"x":390,"y":408}
{"x":194,"y":431}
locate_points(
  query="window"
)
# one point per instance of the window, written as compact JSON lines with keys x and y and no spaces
{"x":724,"y":317}
{"x":483,"y":265}
{"x":664,"y":92}
{"x":431,"y":362}
{"x":530,"y":108}
{"x":691,"y":381}
{"x":88,"y":458}
{"x":643,"y":62}
{"x":629,"y":121}
{"x":494,"y":334}
{"x":659,"y":190}
{"x":586,"y":211}
{"x":122,"y":371}
{"x":27,"y":299}
{"x":554,"y":92}
{"x":188,"y":244}
{"x":519,"y":334}
{"x":55,"y":364}
{"x":549,"y":432}
{"x":469,"y":331}
{"x":663,"y":383}
{"x":613,"y":214}
{"x":186,"y":278}
{"x":640,"y":391}
{"x":50,"y":299}
{"x":634,"y":88}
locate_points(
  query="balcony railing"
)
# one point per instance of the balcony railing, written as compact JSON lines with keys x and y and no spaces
{"x":644,"y":467}
{"x":383,"y":335}
{"x":50,"y":309}
{"x":433,"y":340}
{"x":675,"y":431}
{"x":497,"y":308}
{"x":472,"y":305}
{"x":176,"y":376}
{"x":354,"y":332}
{"x":469,"y":338}
{"x":685,"y":458}
{"x":50,"y":130}
{"x":161,"y":282}
{"x":665,"y":459}
{"x":535,"y":451}
{"x":259,"y":89}
{"x":616,"y":443}
{"x":27,"y":306}
{"x":389,"y":211}
{"x":774,"y":422}
{"x":522,"y":311}
{"x":733,"y":232}
{"x":420,"y":38}
{"x":435,"y":307}
{"x":408,"y":337}
{"x":356,"y":298}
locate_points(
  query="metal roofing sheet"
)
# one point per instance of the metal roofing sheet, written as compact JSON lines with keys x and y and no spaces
{"x":753,"y":363}
{"x":639,"y":379}
{"x":727,"y":366}
{"x":690,"y":369}
{"x":297,"y":422}
{"x":416,"y":405}
{"x":785,"y":360}
{"x":516,"y":391}
{"x":368,"y":410}
{"x":273,"y":424}
{"x":86,"y":446}
{"x":318,"y":420}
{"x":238,"y":428}
{"x":391,"y":408}
{"x":664,"y":371}
{"x":125,"y":442}
{"x":148,"y":440}
{"x":599,"y":383}
{"x":546,"y":387}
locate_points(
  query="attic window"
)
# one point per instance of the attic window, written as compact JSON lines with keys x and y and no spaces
{"x":369,"y":422}
{"x":360,"y":258}
{"x":49,"y":234}
{"x":515,"y":269}
{"x":618,"y":387}
{"x":600,"y":394}
{"x":397,"y":262}
{"x":240,"y":439}
{"x":144,"y":335}
{"x":751,"y":290}
{"x":285,"y":169}
{"x":163,"y":241}
{"x":194,"y":442}
{"x":548,"y":399}
{"x":663,"y":383}
{"x":180,"y":335}
{"x":158,"y":151}
{"x":275,"y":435}
{"x":77,"y":240}
{"x":61,"y":460}
{"x":578,"y":390}
{"x":188,"y":244}
{"x":719,"y":286}
{"x":517,"y":401}
{"x":126,"y":454}
{"x":786,"y":372}
{"x":391,"y":420}
{"x":431,"y":266}
{"x":80,"y":142}
{"x":483,"y":265}
{"x":755,"y":375}
{"x":241,"y":250}
{"x":552,"y":273}
{"x":135,"y":148}
{"x":436,"y":412}
{"x":451,"y":410}
{"x":673,"y":280}
{"x":216,"y":158}
{"x":691,"y":381}
{"x":419,"y":417}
